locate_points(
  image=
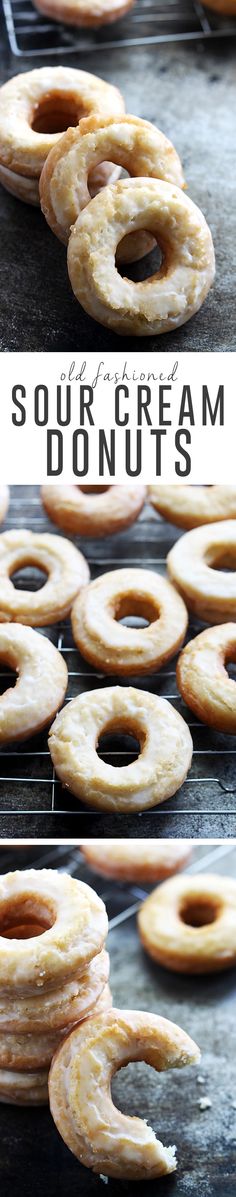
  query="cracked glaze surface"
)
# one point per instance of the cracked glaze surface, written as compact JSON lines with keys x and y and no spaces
{"x":110,"y":645}
{"x":165,"y":748}
{"x":168,"y":298}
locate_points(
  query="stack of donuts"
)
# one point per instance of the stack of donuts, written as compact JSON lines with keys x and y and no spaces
{"x":53,"y":973}
{"x":105,"y":222}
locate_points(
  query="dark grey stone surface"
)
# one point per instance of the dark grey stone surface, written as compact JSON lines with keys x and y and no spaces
{"x":32,"y":801}
{"x":189,"y":91}
{"x":33,"y":1158}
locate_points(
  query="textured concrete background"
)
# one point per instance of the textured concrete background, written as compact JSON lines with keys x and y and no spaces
{"x":33,"y":1157}
{"x":188,"y":90}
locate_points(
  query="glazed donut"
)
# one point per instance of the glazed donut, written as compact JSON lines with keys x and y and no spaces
{"x":167,"y":299}
{"x":40,"y":689}
{"x":80,"y":1097}
{"x":136,"y":860}
{"x":27,"y":189}
{"x":59,"y":1008}
{"x":97,"y":513}
{"x":134,"y":144}
{"x":133,"y":247}
{"x":165,"y":748}
{"x":103,"y":1003}
{"x":115,"y":648}
{"x":4,"y":501}
{"x":75,"y":926}
{"x":192,"y":566}
{"x":188,"y":924}
{"x":24,"y":1052}
{"x":35,"y":1052}
{"x":189,"y":506}
{"x":28,"y":1052}
{"x":24,"y":1088}
{"x":22,"y":188}
{"x":203,"y":680}
{"x":83,"y":12}
{"x":49,"y":98}
{"x":65,"y":566}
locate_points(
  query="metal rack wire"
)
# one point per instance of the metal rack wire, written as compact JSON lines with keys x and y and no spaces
{"x":150,"y":22}
{"x":28,"y":784}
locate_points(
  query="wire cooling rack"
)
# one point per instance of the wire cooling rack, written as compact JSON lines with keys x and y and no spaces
{"x":150,"y":22}
{"x":28,"y":784}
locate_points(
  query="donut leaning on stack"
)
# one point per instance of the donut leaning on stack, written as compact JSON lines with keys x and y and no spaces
{"x":53,"y":974}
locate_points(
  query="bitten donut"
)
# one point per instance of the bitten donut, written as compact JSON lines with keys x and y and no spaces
{"x":4,"y":501}
{"x":24,"y":1088}
{"x":101,"y":1137}
{"x":93,"y":513}
{"x":134,"y":144}
{"x":189,"y":923}
{"x":136,"y":860}
{"x":190,"y":506}
{"x":60,"y":1007}
{"x":203,"y":680}
{"x":75,"y":926}
{"x":171,"y":296}
{"x":110,"y":645}
{"x":198,"y":565}
{"x":164,"y":739}
{"x":35,"y":109}
{"x":66,"y":570}
{"x":41,"y":685}
{"x":84,"y":12}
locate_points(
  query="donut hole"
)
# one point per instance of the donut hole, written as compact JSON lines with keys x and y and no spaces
{"x":25,"y":917}
{"x":25,"y":931}
{"x":199,"y":912}
{"x":231,"y":669}
{"x":135,"y":611}
{"x":95,"y":181}
{"x":145,"y":268}
{"x":118,"y":748}
{"x":134,"y":1090}
{"x":222,"y":557}
{"x":94,"y":490}
{"x":28,"y":578}
{"x":8,"y":677}
{"x":55,"y":113}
